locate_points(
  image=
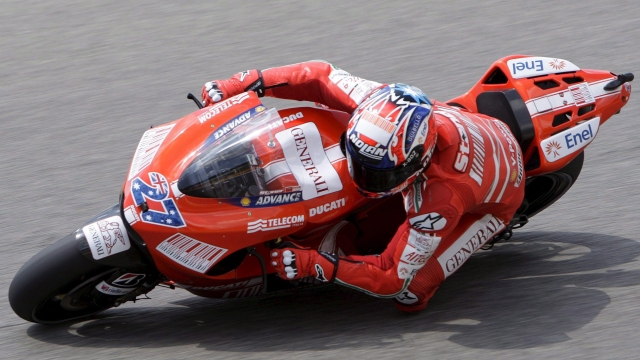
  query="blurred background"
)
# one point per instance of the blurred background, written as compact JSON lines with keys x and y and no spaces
{"x":81,"y":81}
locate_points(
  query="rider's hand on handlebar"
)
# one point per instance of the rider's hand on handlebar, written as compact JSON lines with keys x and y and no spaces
{"x":211,"y":94}
{"x":294,"y":262}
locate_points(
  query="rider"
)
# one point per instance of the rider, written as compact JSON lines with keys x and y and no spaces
{"x":460,"y":175}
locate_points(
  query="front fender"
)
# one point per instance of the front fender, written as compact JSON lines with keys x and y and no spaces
{"x":113,"y":242}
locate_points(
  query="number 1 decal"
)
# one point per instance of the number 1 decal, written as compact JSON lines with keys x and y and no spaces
{"x":157,"y":192}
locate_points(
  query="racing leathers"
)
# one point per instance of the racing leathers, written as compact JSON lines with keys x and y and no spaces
{"x":468,"y":194}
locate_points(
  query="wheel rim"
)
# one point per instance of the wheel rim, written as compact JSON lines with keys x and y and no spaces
{"x":74,"y":300}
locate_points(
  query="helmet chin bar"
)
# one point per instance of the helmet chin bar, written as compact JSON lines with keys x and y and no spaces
{"x":395,"y":190}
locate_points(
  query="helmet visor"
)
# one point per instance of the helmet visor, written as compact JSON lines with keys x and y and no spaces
{"x":380,"y":180}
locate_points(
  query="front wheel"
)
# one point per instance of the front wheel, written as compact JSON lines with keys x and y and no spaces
{"x":58,"y":284}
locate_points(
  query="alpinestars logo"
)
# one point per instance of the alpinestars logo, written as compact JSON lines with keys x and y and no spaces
{"x":557,"y":64}
{"x":407,"y":297}
{"x":320,"y":272}
{"x":553,"y":147}
{"x":243,"y":75}
{"x":431,"y":222}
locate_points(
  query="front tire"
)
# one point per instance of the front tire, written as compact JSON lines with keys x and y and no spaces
{"x":57,"y":285}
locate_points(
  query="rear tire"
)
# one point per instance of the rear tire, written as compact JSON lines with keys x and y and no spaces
{"x":544,"y":190}
{"x":57,"y":285}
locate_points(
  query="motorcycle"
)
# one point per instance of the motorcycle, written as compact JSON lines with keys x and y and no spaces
{"x":209,"y":195}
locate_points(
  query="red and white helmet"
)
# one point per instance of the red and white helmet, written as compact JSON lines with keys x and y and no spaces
{"x":390,"y":139}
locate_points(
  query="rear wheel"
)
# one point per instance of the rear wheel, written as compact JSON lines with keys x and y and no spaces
{"x":58,"y":284}
{"x":544,"y":190}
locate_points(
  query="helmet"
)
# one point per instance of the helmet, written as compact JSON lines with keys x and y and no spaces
{"x":390,"y":140}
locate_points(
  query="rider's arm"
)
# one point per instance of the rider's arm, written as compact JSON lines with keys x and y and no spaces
{"x":433,"y":211}
{"x":316,"y":81}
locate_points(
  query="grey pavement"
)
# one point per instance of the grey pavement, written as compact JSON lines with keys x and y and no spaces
{"x":80,"y":81}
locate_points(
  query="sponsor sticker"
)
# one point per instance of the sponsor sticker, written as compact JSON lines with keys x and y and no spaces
{"x":130,"y":215}
{"x":570,"y":141}
{"x":267,"y":198}
{"x":375,"y":152}
{"x":191,"y":253}
{"x":105,"y":288}
{"x":477,"y":140}
{"x":271,"y":199}
{"x":418,"y":250}
{"x":107,"y":237}
{"x":582,"y":94}
{"x":330,"y":206}
{"x":147,"y":148}
{"x":357,"y":88}
{"x":471,"y":240}
{"x":221,"y":106}
{"x":292,"y":117}
{"x":308,"y":162}
{"x":536,"y":66}
{"x":227,"y":127}
{"x":162,"y":210}
{"x":275,"y":224}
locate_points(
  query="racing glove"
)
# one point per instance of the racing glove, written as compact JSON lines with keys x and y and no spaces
{"x":218,"y":90}
{"x":294,"y":262}
{"x":211,"y":93}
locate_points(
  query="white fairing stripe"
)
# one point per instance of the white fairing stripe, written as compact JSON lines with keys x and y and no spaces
{"x":334,"y":153}
{"x":278,"y":168}
{"x":496,"y":162}
{"x":506,"y":161}
{"x":147,"y":148}
{"x":578,"y":94}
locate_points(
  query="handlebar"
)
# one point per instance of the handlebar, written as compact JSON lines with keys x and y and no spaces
{"x":190,"y":96}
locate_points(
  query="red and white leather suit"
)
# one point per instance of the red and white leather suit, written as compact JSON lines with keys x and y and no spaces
{"x":467,"y":195}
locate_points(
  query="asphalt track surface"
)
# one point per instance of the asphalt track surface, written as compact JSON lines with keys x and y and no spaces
{"x":81,"y":81}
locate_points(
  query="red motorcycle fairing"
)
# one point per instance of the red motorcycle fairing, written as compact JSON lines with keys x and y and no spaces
{"x":234,"y":175}
{"x":292,"y":180}
{"x":563,"y":104}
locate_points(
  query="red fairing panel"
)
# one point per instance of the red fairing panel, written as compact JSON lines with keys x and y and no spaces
{"x":305,"y":187}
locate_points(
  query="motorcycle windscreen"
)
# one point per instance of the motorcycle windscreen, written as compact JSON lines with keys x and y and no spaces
{"x":232,"y":166}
